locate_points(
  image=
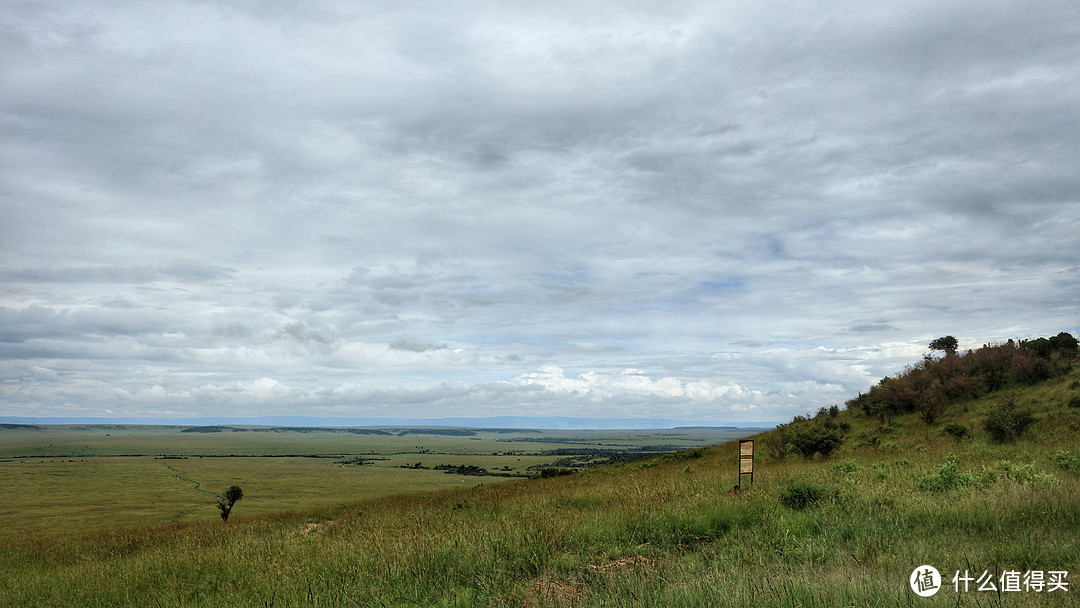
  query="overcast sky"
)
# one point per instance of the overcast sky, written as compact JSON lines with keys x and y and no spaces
{"x":729,"y":211}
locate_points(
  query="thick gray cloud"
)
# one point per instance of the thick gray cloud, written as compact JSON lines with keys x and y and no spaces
{"x":713,"y":211}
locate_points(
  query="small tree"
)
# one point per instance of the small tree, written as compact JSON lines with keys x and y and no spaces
{"x":226,"y":502}
{"x":930,"y":404}
{"x":948,"y":344}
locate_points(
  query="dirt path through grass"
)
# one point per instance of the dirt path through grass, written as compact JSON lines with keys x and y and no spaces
{"x":180,"y":475}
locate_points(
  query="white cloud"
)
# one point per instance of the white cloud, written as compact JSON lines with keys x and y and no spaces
{"x":633,"y":383}
{"x":429,"y":206}
{"x":257,"y":391}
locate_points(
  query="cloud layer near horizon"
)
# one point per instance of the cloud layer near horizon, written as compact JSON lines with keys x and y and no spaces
{"x":727,"y":212}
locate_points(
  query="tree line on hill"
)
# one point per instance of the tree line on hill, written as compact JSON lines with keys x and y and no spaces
{"x":929,"y":386}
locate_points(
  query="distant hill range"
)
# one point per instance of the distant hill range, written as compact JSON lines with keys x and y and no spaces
{"x":501,"y":422}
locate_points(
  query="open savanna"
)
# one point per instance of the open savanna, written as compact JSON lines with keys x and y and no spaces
{"x":839,"y":531}
{"x":79,"y":480}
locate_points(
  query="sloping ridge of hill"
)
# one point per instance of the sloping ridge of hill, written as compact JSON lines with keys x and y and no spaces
{"x":845,"y":507}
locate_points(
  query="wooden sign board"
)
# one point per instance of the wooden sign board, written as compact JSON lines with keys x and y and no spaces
{"x":746,"y":459}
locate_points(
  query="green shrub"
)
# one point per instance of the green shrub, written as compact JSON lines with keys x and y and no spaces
{"x":958,"y":431}
{"x":800,"y":495}
{"x":869,"y":439}
{"x":1005,"y":423}
{"x":987,"y":478}
{"x":1066,"y":460}
{"x":948,"y":477}
{"x":816,"y":439}
{"x":1075,"y":401}
{"x":845,"y":466}
{"x":1026,"y":474}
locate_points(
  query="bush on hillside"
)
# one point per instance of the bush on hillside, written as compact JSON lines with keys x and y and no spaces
{"x":1005,"y":422}
{"x":815,"y":439}
{"x":1063,"y":345}
{"x":930,"y":404}
{"x":948,"y":477}
{"x":845,"y":466}
{"x":1026,"y":474}
{"x":1067,"y":460}
{"x":958,"y":431}
{"x":832,"y":411}
{"x":801,"y":495}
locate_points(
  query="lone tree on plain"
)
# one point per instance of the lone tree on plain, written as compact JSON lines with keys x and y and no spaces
{"x":226,"y":502}
{"x":948,"y":344}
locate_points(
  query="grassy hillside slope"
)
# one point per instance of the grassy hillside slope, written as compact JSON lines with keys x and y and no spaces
{"x":846,"y":530}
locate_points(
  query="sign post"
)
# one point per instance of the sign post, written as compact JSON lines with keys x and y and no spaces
{"x":746,"y":460}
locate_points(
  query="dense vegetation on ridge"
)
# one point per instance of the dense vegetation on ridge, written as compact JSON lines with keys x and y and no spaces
{"x":930,"y":385}
{"x":844,"y":505}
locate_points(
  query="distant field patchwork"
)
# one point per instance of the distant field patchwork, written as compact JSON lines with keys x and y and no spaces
{"x":86,"y":479}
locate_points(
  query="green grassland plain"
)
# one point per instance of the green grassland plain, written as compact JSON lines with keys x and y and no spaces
{"x":667,"y":531}
{"x":80,"y":479}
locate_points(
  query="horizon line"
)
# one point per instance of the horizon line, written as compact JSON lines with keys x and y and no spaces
{"x":477,"y":422}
